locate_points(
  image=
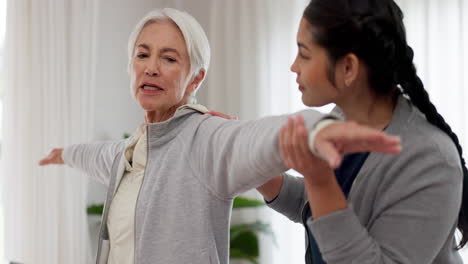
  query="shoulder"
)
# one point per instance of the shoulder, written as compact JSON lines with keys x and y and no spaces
{"x":423,"y":139}
{"x":429,"y":158}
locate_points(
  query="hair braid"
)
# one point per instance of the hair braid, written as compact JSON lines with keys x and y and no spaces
{"x":414,"y":88}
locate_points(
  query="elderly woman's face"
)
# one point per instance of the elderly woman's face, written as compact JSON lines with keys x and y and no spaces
{"x":160,"y":67}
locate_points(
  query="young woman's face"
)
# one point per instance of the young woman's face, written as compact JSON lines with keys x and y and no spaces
{"x":311,"y":66}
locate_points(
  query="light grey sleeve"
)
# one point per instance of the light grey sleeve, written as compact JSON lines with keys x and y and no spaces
{"x":291,"y":199}
{"x":95,"y":159}
{"x":235,"y":156}
{"x":414,"y":212}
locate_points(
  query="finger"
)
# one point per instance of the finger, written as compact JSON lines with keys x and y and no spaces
{"x":282,"y":145}
{"x":356,"y":138}
{"x":303,"y":135}
{"x":46,"y":161}
{"x":289,"y":139}
{"x":214,"y":113}
{"x":54,"y":157}
{"x":384,"y":143}
{"x":302,"y":149}
{"x":372,"y":141}
{"x":283,"y":148}
{"x":374,"y":147}
{"x":329,"y":153}
{"x":292,"y":139}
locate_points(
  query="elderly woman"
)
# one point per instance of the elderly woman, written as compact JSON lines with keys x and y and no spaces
{"x":171,"y":185}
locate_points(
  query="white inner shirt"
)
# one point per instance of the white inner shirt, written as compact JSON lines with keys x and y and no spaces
{"x":120,"y":221}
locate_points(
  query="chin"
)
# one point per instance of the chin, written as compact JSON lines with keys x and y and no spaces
{"x":307,"y":101}
{"x":147,"y":106}
{"x":312,"y":103}
{"x":146,"y":103}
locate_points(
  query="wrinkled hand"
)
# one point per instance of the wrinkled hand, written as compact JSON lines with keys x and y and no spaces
{"x":332,"y":142}
{"x":54,"y":157}
{"x":214,"y":113}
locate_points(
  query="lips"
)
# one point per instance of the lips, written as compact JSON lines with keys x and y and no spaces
{"x":151,"y":87}
{"x":301,"y":88}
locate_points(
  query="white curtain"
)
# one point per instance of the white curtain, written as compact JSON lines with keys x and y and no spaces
{"x":438,"y":33}
{"x":253,"y":43}
{"x":48,"y":103}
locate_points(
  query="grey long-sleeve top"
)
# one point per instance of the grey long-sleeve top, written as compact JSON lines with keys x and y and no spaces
{"x":402,"y":208}
{"x":196,"y":164}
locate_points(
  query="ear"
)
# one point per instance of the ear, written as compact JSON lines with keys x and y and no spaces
{"x":195,"y":82}
{"x":350,"y":68}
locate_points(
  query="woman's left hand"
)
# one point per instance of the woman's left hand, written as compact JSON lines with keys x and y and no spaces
{"x":331,"y":142}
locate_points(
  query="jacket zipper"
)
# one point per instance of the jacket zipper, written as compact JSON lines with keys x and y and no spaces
{"x":138,"y":196}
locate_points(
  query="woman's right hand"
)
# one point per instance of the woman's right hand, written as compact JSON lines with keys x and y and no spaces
{"x":54,"y":157}
{"x":214,"y":113}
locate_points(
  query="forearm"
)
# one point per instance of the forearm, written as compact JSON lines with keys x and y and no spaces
{"x":325,"y":198}
{"x":291,"y":197}
{"x":245,"y":153}
{"x":94,"y":159}
{"x":418,"y":203}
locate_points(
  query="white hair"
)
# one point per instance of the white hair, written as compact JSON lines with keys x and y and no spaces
{"x":197,"y":44}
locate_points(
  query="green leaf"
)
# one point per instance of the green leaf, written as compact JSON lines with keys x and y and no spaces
{"x":242,"y":202}
{"x":95,"y":209}
{"x":244,"y":244}
{"x":256,"y":227}
{"x":236,"y":254}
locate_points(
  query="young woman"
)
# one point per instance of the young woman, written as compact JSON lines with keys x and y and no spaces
{"x":374,"y":208}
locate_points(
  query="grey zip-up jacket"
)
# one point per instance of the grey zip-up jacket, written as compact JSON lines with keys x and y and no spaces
{"x":196,"y":164}
{"x":402,"y":208}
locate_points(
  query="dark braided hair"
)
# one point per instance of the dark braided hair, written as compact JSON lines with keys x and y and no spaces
{"x":373,"y":30}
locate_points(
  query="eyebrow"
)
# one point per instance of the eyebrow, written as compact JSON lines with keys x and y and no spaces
{"x":163,"y":50}
{"x":143,"y":46}
{"x":301,"y":45}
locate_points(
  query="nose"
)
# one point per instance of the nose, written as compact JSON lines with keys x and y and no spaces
{"x":294,"y":67}
{"x":152,"y":69}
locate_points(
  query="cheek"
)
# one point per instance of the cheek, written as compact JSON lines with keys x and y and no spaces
{"x":135,"y":76}
{"x":318,"y":73}
{"x":310,"y":74}
{"x":179,"y":82}
{"x":133,"y":82}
